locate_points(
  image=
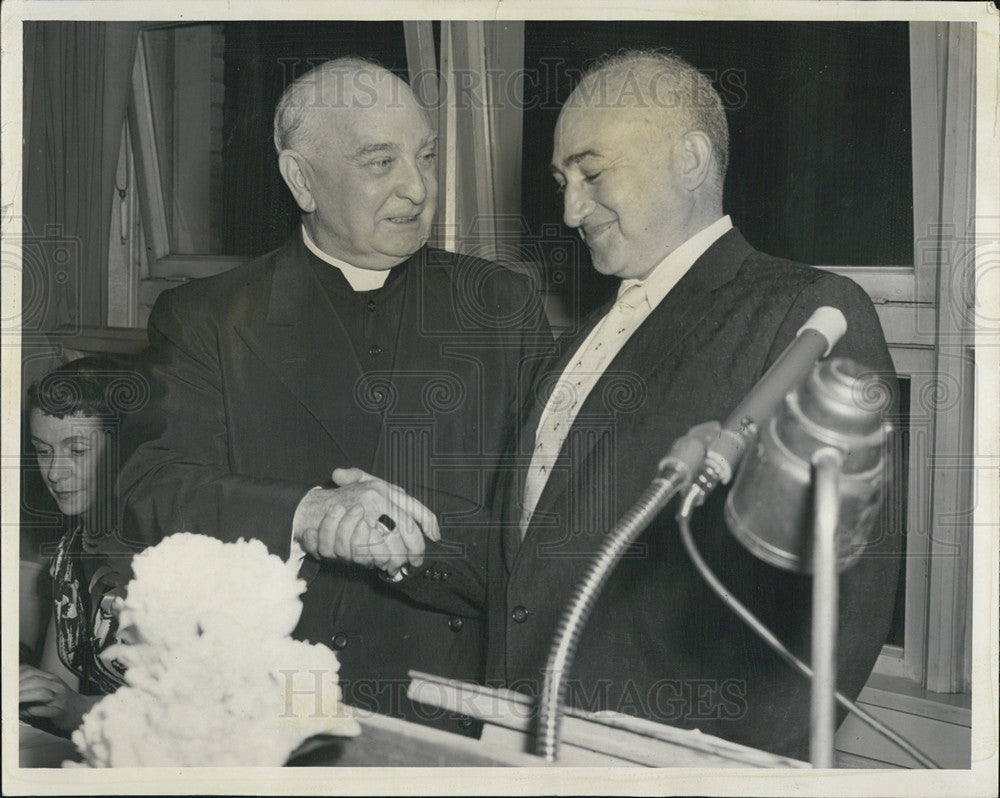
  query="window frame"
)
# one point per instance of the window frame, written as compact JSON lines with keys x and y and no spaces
{"x":162,"y":265}
{"x":931,"y":345}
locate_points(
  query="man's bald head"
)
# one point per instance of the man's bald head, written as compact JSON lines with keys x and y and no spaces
{"x":313,"y":102}
{"x":358,"y":153}
{"x":668,"y":93}
{"x":640,"y":152}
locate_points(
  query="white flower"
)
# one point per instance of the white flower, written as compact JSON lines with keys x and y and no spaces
{"x":192,"y":584}
{"x":212,"y":676}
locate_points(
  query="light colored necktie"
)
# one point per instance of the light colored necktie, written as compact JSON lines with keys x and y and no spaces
{"x":575,"y":384}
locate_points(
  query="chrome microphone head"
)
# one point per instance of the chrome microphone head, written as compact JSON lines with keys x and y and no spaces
{"x":769,"y":508}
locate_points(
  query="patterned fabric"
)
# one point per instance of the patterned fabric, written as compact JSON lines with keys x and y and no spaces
{"x":575,"y":384}
{"x":84,"y":587}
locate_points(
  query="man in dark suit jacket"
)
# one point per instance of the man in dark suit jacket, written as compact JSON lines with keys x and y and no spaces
{"x":353,"y":347}
{"x":640,"y":154}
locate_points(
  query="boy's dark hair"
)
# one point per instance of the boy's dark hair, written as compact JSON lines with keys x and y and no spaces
{"x":95,"y":385}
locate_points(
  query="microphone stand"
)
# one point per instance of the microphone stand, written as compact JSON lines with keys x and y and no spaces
{"x":709,"y":454}
{"x":675,"y":472}
{"x":625,"y":532}
{"x":723,"y":446}
{"x":827,"y":464}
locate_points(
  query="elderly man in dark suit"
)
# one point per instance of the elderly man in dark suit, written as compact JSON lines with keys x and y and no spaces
{"x":640,"y":155}
{"x":353,"y":350}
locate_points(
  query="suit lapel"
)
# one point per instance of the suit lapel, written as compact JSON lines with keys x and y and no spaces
{"x":683,"y":310}
{"x":306,"y":346}
{"x":686,"y":307}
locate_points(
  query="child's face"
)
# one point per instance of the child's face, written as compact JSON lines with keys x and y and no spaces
{"x":70,"y":452}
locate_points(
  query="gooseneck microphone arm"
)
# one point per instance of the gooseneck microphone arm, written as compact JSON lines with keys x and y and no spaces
{"x":675,"y":471}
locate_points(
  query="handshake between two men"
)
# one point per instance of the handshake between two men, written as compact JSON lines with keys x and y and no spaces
{"x":364,"y":520}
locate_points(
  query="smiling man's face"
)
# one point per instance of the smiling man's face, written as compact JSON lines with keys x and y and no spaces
{"x":619,"y":171}
{"x":373,"y":176}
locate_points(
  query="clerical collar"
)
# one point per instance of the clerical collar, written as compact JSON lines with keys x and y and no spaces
{"x":359,"y":279}
{"x":669,"y":271}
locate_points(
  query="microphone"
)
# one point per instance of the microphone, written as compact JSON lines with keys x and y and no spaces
{"x":770,"y":504}
{"x":817,"y":463}
{"x":815,"y":339}
{"x":825,"y":414}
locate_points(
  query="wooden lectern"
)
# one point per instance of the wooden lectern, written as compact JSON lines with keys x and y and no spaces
{"x":589,"y":739}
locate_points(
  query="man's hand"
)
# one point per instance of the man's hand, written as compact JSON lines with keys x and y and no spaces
{"x":365,"y":520}
{"x":44,"y":695}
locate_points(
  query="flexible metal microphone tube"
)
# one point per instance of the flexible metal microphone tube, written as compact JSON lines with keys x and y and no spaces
{"x":652,"y":500}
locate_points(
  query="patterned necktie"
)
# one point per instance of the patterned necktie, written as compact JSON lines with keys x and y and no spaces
{"x":576,"y":382}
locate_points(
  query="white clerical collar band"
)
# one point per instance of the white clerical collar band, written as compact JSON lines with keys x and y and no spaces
{"x":670,"y":270}
{"x":360,"y":279}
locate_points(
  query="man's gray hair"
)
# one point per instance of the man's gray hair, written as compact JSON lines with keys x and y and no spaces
{"x":657,"y":78}
{"x":313,"y":90}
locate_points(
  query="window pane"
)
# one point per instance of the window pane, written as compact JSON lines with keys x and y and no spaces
{"x":184,"y":65}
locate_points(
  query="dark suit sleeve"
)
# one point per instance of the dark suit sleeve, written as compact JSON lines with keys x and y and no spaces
{"x":863,"y":341}
{"x":178,"y":476}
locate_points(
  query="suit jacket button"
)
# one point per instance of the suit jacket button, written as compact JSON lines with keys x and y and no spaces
{"x":520,"y":614}
{"x":455,"y":624}
{"x":339,"y":641}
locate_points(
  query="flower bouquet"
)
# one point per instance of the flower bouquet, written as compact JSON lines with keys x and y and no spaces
{"x":213,"y":676}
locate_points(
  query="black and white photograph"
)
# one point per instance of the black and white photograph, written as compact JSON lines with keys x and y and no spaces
{"x":468,"y":398}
